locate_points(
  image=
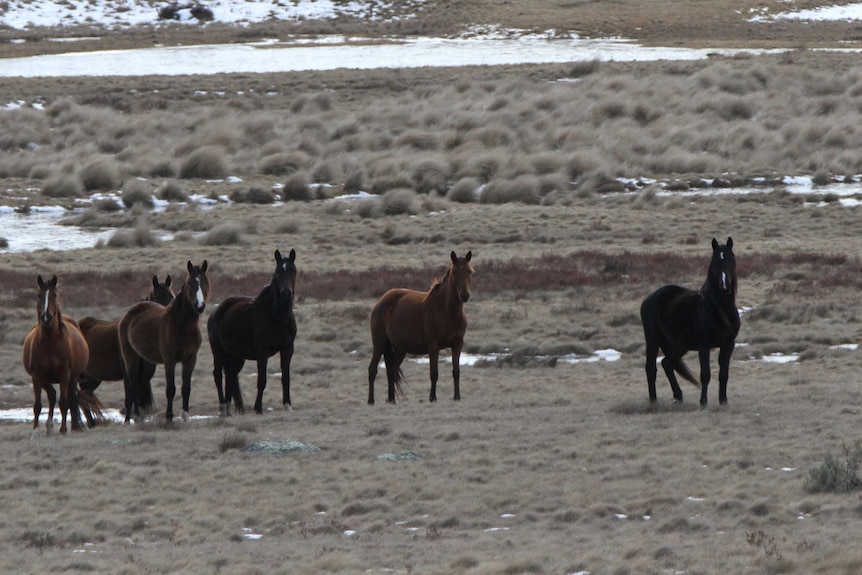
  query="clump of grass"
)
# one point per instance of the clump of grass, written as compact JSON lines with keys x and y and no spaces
{"x":430,"y":176}
{"x":401,"y":202}
{"x":354,"y":182}
{"x":172,"y":191}
{"x":837,"y":474}
{"x":138,"y":237}
{"x":524,"y":189}
{"x":62,"y":186}
{"x":232,"y":440}
{"x":288,"y":226}
{"x":100,"y":174}
{"x":370,"y":209}
{"x":206,"y":162}
{"x":135,"y":192}
{"x":224,"y":234}
{"x":284,"y":163}
{"x":296,"y":188}
{"x":253,"y":195}
{"x":465,"y":190}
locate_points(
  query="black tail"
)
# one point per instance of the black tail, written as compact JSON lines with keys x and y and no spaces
{"x":397,"y":373}
{"x":143,"y":391}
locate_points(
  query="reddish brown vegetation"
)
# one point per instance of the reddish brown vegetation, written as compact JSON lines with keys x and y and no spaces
{"x":800,"y":272}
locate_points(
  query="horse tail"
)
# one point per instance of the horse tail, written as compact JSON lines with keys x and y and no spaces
{"x":397,"y":373}
{"x":90,"y":404}
{"x":682,"y":369}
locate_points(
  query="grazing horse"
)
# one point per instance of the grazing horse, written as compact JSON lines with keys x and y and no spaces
{"x":407,"y":321}
{"x":151,"y":333}
{"x":54,"y":351}
{"x":106,"y":359}
{"x":677,"y":319}
{"x":256,"y":328}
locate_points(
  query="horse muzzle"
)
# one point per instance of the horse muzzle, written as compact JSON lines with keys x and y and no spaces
{"x":464,"y":296}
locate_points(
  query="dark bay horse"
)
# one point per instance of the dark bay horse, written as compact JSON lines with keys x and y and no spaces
{"x":677,"y":320}
{"x":151,"y":333}
{"x":255,"y":328}
{"x":407,"y":321}
{"x":106,"y":359}
{"x":54,"y":351}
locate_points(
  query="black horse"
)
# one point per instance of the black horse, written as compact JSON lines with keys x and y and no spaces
{"x":256,"y":328}
{"x":677,"y":319}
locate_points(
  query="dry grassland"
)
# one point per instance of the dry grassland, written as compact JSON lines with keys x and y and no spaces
{"x":543,"y":466}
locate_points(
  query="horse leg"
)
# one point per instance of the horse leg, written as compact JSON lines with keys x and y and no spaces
{"x":188,"y":369}
{"x":64,"y":401}
{"x":433,"y":357}
{"x":668,"y":364}
{"x":705,"y":376}
{"x":724,"y":371}
{"x":170,"y":388}
{"x":218,"y":367}
{"x":261,"y":382}
{"x":372,"y":369}
{"x":286,"y":356}
{"x":456,"y":370}
{"x":37,"y":408}
{"x":651,"y":370}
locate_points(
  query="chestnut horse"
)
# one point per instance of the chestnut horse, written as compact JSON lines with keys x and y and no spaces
{"x":106,"y":359}
{"x":676,"y":320}
{"x":151,"y":333}
{"x":255,"y":328}
{"x":406,"y":321}
{"x":54,"y":351}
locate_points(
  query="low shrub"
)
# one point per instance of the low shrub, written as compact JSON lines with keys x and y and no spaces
{"x":138,"y":237}
{"x":172,"y":191}
{"x":430,"y":176}
{"x":296,"y":188}
{"x":100,"y":174}
{"x":137,"y":192}
{"x":62,"y":186}
{"x":465,"y":190}
{"x":253,"y":195}
{"x":224,"y":234}
{"x":206,"y":162}
{"x":837,"y":474}
{"x":401,"y":202}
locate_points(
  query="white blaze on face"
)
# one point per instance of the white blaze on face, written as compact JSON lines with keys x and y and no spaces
{"x":724,"y":281}
{"x":45,"y":305}
{"x":199,"y":297}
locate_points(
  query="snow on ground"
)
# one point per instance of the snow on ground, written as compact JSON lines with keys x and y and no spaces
{"x":22,"y":14}
{"x":846,"y":12}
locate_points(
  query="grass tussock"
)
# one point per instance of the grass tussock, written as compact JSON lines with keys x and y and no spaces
{"x":837,"y":474}
{"x":225,"y":234}
{"x":206,"y":162}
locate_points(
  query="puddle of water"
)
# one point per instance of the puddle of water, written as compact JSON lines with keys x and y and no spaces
{"x":41,"y":229}
{"x":274,"y":56}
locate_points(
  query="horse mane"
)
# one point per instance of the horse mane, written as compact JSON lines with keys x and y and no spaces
{"x":440,"y":280}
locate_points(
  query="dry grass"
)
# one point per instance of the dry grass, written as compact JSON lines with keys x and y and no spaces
{"x":544,"y":466}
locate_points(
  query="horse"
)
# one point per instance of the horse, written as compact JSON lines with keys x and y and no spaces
{"x":54,"y":351}
{"x":676,"y":320}
{"x":151,"y":333}
{"x":255,"y":328}
{"x":106,"y":359}
{"x":408,"y":321}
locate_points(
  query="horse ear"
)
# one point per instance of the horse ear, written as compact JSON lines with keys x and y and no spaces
{"x":468,"y":256}
{"x":714,"y":244}
{"x":292,"y":255}
{"x":40,"y":280}
{"x":189,"y":266}
{"x":168,"y":281}
{"x":277,"y":257}
{"x":729,"y":243}
{"x":204,"y":266}
{"x":53,"y":281}
{"x":155,"y":281}
{"x":454,"y":257}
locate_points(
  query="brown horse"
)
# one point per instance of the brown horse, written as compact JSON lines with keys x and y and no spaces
{"x":54,"y":351}
{"x":106,"y":359}
{"x":151,"y":334}
{"x":406,"y":321}
{"x":256,"y":328}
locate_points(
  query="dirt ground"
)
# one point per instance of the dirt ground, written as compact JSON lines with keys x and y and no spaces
{"x":543,"y":466}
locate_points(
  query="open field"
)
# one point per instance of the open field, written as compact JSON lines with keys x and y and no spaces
{"x":544,"y":466}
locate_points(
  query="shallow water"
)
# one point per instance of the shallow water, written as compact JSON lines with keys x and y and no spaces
{"x":330,"y":54}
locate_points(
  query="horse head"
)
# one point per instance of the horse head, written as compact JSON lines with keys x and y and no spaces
{"x":47,"y":307}
{"x":161,"y":292}
{"x":461,"y":275}
{"x":722,"y":268}
{"x":284,"y":277}
{"x":197,"y":287}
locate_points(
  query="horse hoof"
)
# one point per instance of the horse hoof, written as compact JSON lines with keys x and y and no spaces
{"x":185,"y":415}
{"x":34,"y":434}
{"x":288,"y":407}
